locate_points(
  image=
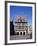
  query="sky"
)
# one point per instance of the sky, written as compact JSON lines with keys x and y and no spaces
{"x":21,"y":10}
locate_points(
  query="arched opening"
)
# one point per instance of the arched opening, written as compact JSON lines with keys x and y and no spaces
{"x":23,"y":33}
{"x":17,"y":33}
{"x":20,"y":33}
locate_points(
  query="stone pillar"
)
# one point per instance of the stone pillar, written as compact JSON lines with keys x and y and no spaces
{"x":22,"y":33}
{"x":19,"y":33}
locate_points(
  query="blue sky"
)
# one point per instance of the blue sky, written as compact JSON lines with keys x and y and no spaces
{"x":21,"y":10}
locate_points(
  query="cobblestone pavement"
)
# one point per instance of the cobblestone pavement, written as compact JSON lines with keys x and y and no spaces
{"x":18,"y":37}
